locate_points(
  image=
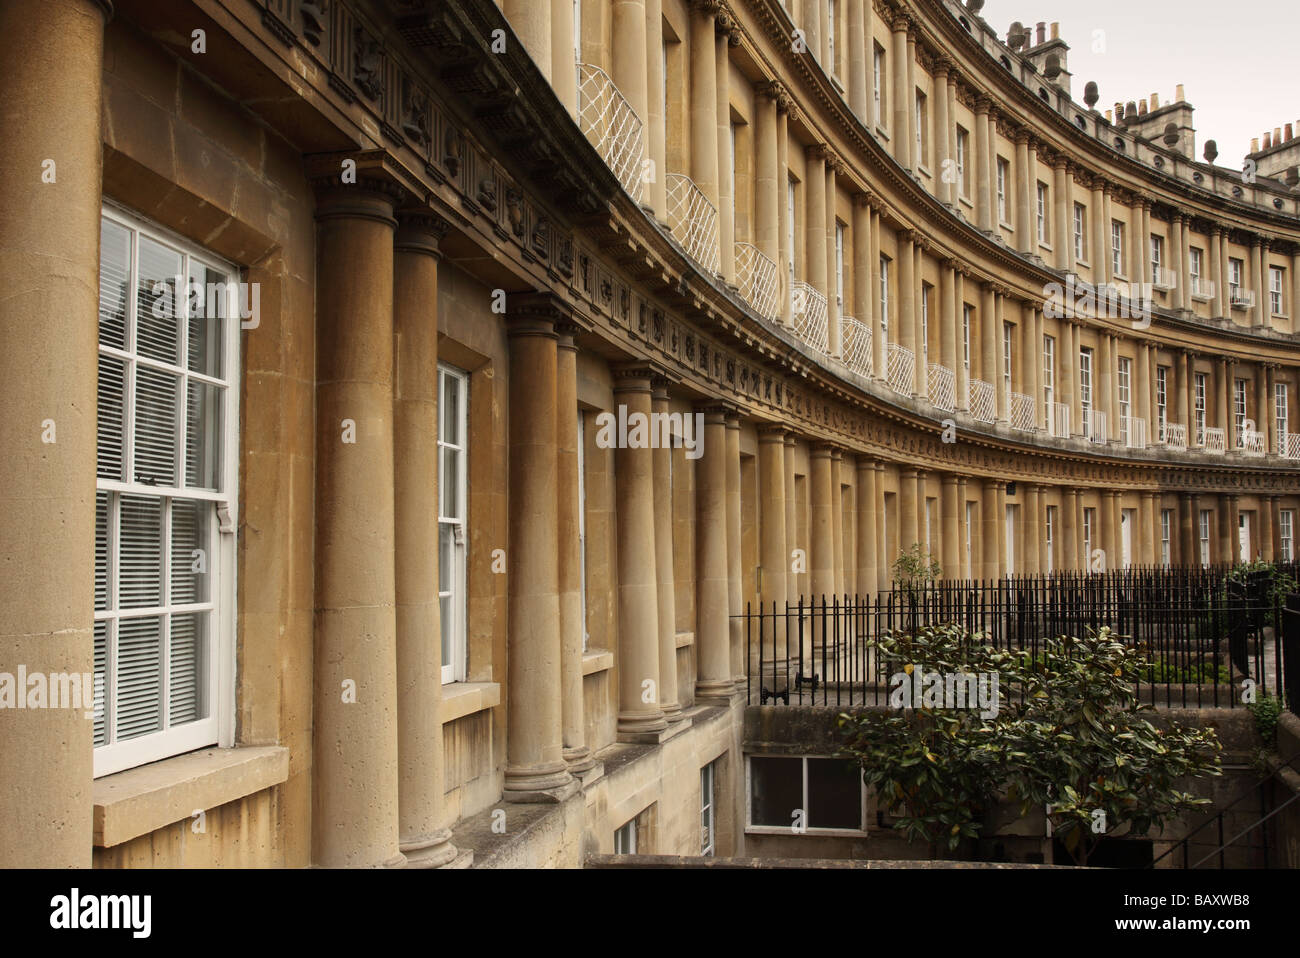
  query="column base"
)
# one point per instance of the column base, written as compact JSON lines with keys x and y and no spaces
{"x":657,"y":737}
{"x":714,"y":693}
{"x":549,"y":783}
{"x":578,"y":760}
{"x":673,"y":712}
{"x":636,"y":723}
{"x":433,"y":851}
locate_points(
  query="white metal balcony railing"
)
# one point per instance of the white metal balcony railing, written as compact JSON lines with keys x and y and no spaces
{"x":1175,"y":435}
{"x":1291,"y":449}
{"x":942,"y":387}
{"x":1058,"y":420}
{"x":1205,"y":288}
{"x":756,"y":276}
{"x":612,"y":126}
{"x":808,"y":308}
{"x":1097,"y":431}
{"x":694,"y":221}
{"x":1134,"y":432}
{"x":1241,"y":298}
{"x":1214,"y":439}
{"x":1023,"y":410}
{"x":983,"y":407}
{"x":857,"y":345}
{"x":1253,"y":442}
{"x":902,"y":369}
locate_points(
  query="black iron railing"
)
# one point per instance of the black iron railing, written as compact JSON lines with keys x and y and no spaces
{"x":1205,"y":635}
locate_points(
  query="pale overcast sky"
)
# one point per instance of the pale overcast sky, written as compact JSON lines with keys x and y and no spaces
{"x":1237,"y":61}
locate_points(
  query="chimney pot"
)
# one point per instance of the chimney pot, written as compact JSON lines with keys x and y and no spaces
{"x":1290,"y":133}
{"x":1041,"y":27}
{"x":1254,"y":144}
{"x":1277,"y":135}
{"x":1056,"y":30}
{"x":1108,"y":117}
{"x":1155,"y":101}
{"x":1179,"y":96}
{"x":1268,"y":140}
{"x":1143,"y":108}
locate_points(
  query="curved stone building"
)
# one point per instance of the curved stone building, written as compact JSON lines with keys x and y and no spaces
{"x":402,"y":397}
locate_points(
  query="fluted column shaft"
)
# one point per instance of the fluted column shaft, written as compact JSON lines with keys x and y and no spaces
{"x":712,"y":586}
{"x":815,"y":221}
{"x":949,"y":507}
{"x":726,"y":171}
{"x":704,"y":104}
{"x":868,"y":572}
{"x":821,"y":548}
{"x":794,"y":586}
{"x":769,"y":192}
{"x":983,"y":195}
{"x":735,"y":593}
{"x":989,"y":531}
{"x":667,"y":589}
{"x":772,"y":546}
{"x":656,"y":191}
{"x":903,"y":96}
{"x":1031,"y":560}
{"x":1071,"y":531}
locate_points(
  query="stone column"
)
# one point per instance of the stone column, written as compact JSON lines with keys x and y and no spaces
{"x":1000,"y":392}
{"x":903,"y":96}
{"x":920,"y":368}
{"x":1143,"y":241}
{"x":638,"y":590}
{"x":1071,"y":531}
{"x":884,"y":562}
{"x":921,"y":497}
{"x":964,"y":533}
{"x":868,"y":571}
{"x":837,"y":520}
{"x":662,"y":457}
{"x":949,"y":509}
{"x":992,"y":561}
{"x":962,"y":373}
{"x":908,"y":535}
{"x":1262,"y":418}
{"x":355,"y":814}
{"x":1187,"y":528}
{"x":950,"y":317}
{"x":1031,"y":562}
{"x":1258,"y":317}
{"x":1217,"y":275}
{"x":531,"y":22}
{"x":1273,"y":542}
{"x":1031,"y":359}
{"x":769,"y":188}
{"x":792,"y":542}
{"x":1180,"y":384}
{"x":1228,"y":375}
{"x":1263,"y":545}
{"x":726,"y":178}
{"x":735,"y":594}
{"x":1109,"y":545}
{"x":656,"y":191}
{"x":1004,"y":567}
{"x":909,"y":321}
{"x":712,"y":585}
{"x":834,"y":346}
{"x":1227,"y":530}
{"x":1103,"y":382}
{"x":424,"y":838}
{"x":1178,"y":293}
{"x":704,"y":105}
{"x":569,"y":568}
{"x":782,"y":205}
{"x":1148,"y":518}
{"x":879,"y":359}
{"x":860,"y":51}
{"x":1097,"y":213}
{"x":1064,"y":242}
{"x":775,"y":556}
{"x":1108,"y":265}
{"x":1142,"y":389}
{"x":988,"y":344}
{"x":983,"y":196}
{"x":862,"y":293}
{"x":564,"y":73}
{"x":51,"y":70}
{"x":821,"y":559}
{"x":815,"y":220}
{"x":943,"y":131}
{"x":535,"y":767}
{"x":1069,"y":385}
{"x":1026,"y":235}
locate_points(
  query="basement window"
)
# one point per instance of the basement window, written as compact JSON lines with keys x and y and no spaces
{"x":805,"y":795}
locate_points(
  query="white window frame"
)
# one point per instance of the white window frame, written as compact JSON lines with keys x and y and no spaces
{"x":1042,"y":213}
{"x":966,"y":311}
{"x":970,"y":524}
{"x":1286,"y":530}
{"x":1157,"y":255}
{"x":1051,"y":539}
{"x":1162,"y":400}
{"x":884,"y":301}
{"x":625,"y":838}
{"x":455,"y":671}
{"x":790,"y":230}
{"x":830,"y":37}
{"x":962,"y":139}
{"x":1117,"y":247}
{"x":922,"y":115}
{"x":1008,"y":340}
{"x":1281,"y":416}
{"x":1203,"y":527}
{"x":1123,"y":389}
{"x":1049,"y":378}
{"x":1166,"y":532}
{"x":1239,"y":411}
{"x":1235,"y":268}
{"x":924,"y":351}
{"x":1198,"y":407}
{"x":839,"y":264}
{"x":217,"y":728}
{"x":708,"y":810}
{"x":1085,"y":390}
{"x":878,"y":70}
{"x":1275,"y":290}
{"x":752,"y":829}
{"x":1080,"y":227}
{"x":1088,"y":523}
{"x":1002,"y":166}
{"x":1195,"y":262}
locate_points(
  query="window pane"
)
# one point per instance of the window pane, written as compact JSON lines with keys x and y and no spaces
{"x":158,"y":328}
{"x":447,"y":626}
{"x":110,"y":439}
{"x":186,"y":668}
{"x":776,"y":790}
{"x":156,"y":426}
{"x":141,"y":552}
{"x":203,"y":436}
{"x":114,"y":282}
{"x":101,"y":680}
{"x":834,"y":794}
{"x":188,"y":537}
{"x":101,"y":551}
{"x":450,"y":429}
{"x":139,"y":673}
{"x":449,"y":482}
{"x":446,"y":556}
{"x":206,"y":331}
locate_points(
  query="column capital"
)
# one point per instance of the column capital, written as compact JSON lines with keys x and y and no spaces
{"x":535,"y":314}
{"x":772,"y":432}
{"x":866,"y":463}
{"x":983,"y":105}
{"x":633,"y":377}
{"x":776,"y":91}
{"x":901,"y":21}
{"x":372,"y":189}
{"x":822,"y":450}
{"x":420,"y":231}
{"x":942,"y":65}
{"x":708,"y":8}
{"x":715,"y":412}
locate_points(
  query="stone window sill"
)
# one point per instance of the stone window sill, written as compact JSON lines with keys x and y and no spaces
{"x":141,"y":800}
{"x":460,"y":699}
{"x":597,"y":660}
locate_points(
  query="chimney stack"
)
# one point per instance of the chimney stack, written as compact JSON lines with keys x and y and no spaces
{"x":1179,"y":96}
{"x":1042,"y":31}
{"x":1108,"y":117}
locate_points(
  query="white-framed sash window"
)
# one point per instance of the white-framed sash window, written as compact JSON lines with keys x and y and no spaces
{"x":453,"y":515}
